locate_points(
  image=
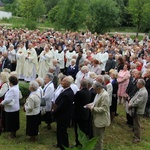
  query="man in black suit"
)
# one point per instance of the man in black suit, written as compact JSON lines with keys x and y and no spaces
{"x":110,"y":64}
{"x":6,"y":63}
{"x":62,"y":112}
{"x":81,"y":114}
{"x":131,"y":90}
{"x":90,"y":119}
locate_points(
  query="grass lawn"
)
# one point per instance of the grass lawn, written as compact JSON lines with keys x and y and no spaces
{"x":118,"y":136}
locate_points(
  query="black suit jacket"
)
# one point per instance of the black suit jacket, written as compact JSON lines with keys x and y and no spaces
{"x":64,"y":104}
{"x":93,"y":94}
{"x":132,"y":88}
{"x":81,"y":98}
{"x":72,"y":71}
{"x":6,"y":63}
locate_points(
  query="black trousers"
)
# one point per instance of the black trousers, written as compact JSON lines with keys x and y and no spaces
{"x":62,"y":135}
{"x":129,"y":119}
{"x":83,"y":126}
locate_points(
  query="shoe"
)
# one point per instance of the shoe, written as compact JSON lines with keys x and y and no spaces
{"x":136,"y":141}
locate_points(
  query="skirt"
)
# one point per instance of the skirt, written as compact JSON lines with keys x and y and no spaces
{"x":12,"y":121}
{"x":32,"y":125}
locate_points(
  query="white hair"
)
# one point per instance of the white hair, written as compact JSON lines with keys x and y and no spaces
{"x":34,"y":85}
{"x":106,"y":77}
{"x":85,"y":68}
{"x":40,"y":81}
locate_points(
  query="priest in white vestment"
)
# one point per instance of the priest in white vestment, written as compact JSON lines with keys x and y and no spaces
{"x":102,"y":57}
{"x":20,"y":58}
{"x":45,"y":62}
{"x":30,"y":64}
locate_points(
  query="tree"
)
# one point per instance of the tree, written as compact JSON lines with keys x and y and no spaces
{"x":31,"y":9}
{"x":125,"y":17}
{"x":50,"y":4}
{"x":68,"y":14}
{"x":40,"y":8}
{"x":13,"y":7}
{"x":102,"y":15}
{"x":139,"y":10}
{"x":7,"y":1}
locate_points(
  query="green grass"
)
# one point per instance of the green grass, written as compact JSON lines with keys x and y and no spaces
{"x":118,"y":136}
{"x":123,"y":29}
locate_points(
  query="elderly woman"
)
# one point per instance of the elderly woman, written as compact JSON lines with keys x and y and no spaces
{"x":48,"y":93}
{"x":72,"y":69}
{"x":32,"y":108}
{"x":12,"y":107}
{"x":123,"y":80}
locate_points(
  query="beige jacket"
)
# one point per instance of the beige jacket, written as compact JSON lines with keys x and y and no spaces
{"x":139,"y":101}
{"x":100,"y":111}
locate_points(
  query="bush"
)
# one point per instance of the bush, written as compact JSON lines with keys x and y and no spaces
{"x":24,"y":88}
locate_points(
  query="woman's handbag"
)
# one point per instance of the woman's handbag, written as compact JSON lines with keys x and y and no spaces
{"x":43,"y":110}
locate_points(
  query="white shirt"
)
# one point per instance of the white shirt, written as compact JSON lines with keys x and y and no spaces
{"x":12,"y":94}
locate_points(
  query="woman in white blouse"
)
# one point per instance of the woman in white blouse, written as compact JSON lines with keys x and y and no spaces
{"x":32,"y":109}
{"x":12,"y":107}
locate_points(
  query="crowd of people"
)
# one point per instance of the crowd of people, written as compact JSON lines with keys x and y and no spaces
{"x":76,"y":79}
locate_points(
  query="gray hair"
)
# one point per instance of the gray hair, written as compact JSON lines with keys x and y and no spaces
{"x":84,"y":68}
{"x":52,"y":68}
{"x":97,"y":85}
{"x":90,"y":82}
{"x":100,"y":78}
{"x":106,"y":77}
{"x":71,"y":79}
{"x":40,"y":81}
{"x":50,"y":76}
{"x":84,"y":83}
{"x":34,"y":85}
{"x":141,"y":81}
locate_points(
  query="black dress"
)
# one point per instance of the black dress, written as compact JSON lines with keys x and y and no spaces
{"x":113,"y":107}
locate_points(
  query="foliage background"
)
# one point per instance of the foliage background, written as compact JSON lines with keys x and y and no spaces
{"x":94,"y":15}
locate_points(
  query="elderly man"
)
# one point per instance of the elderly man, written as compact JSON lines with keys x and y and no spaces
{"x":62,"y":112}
{"x":137,"y":106}
{"x":101,"y":113}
